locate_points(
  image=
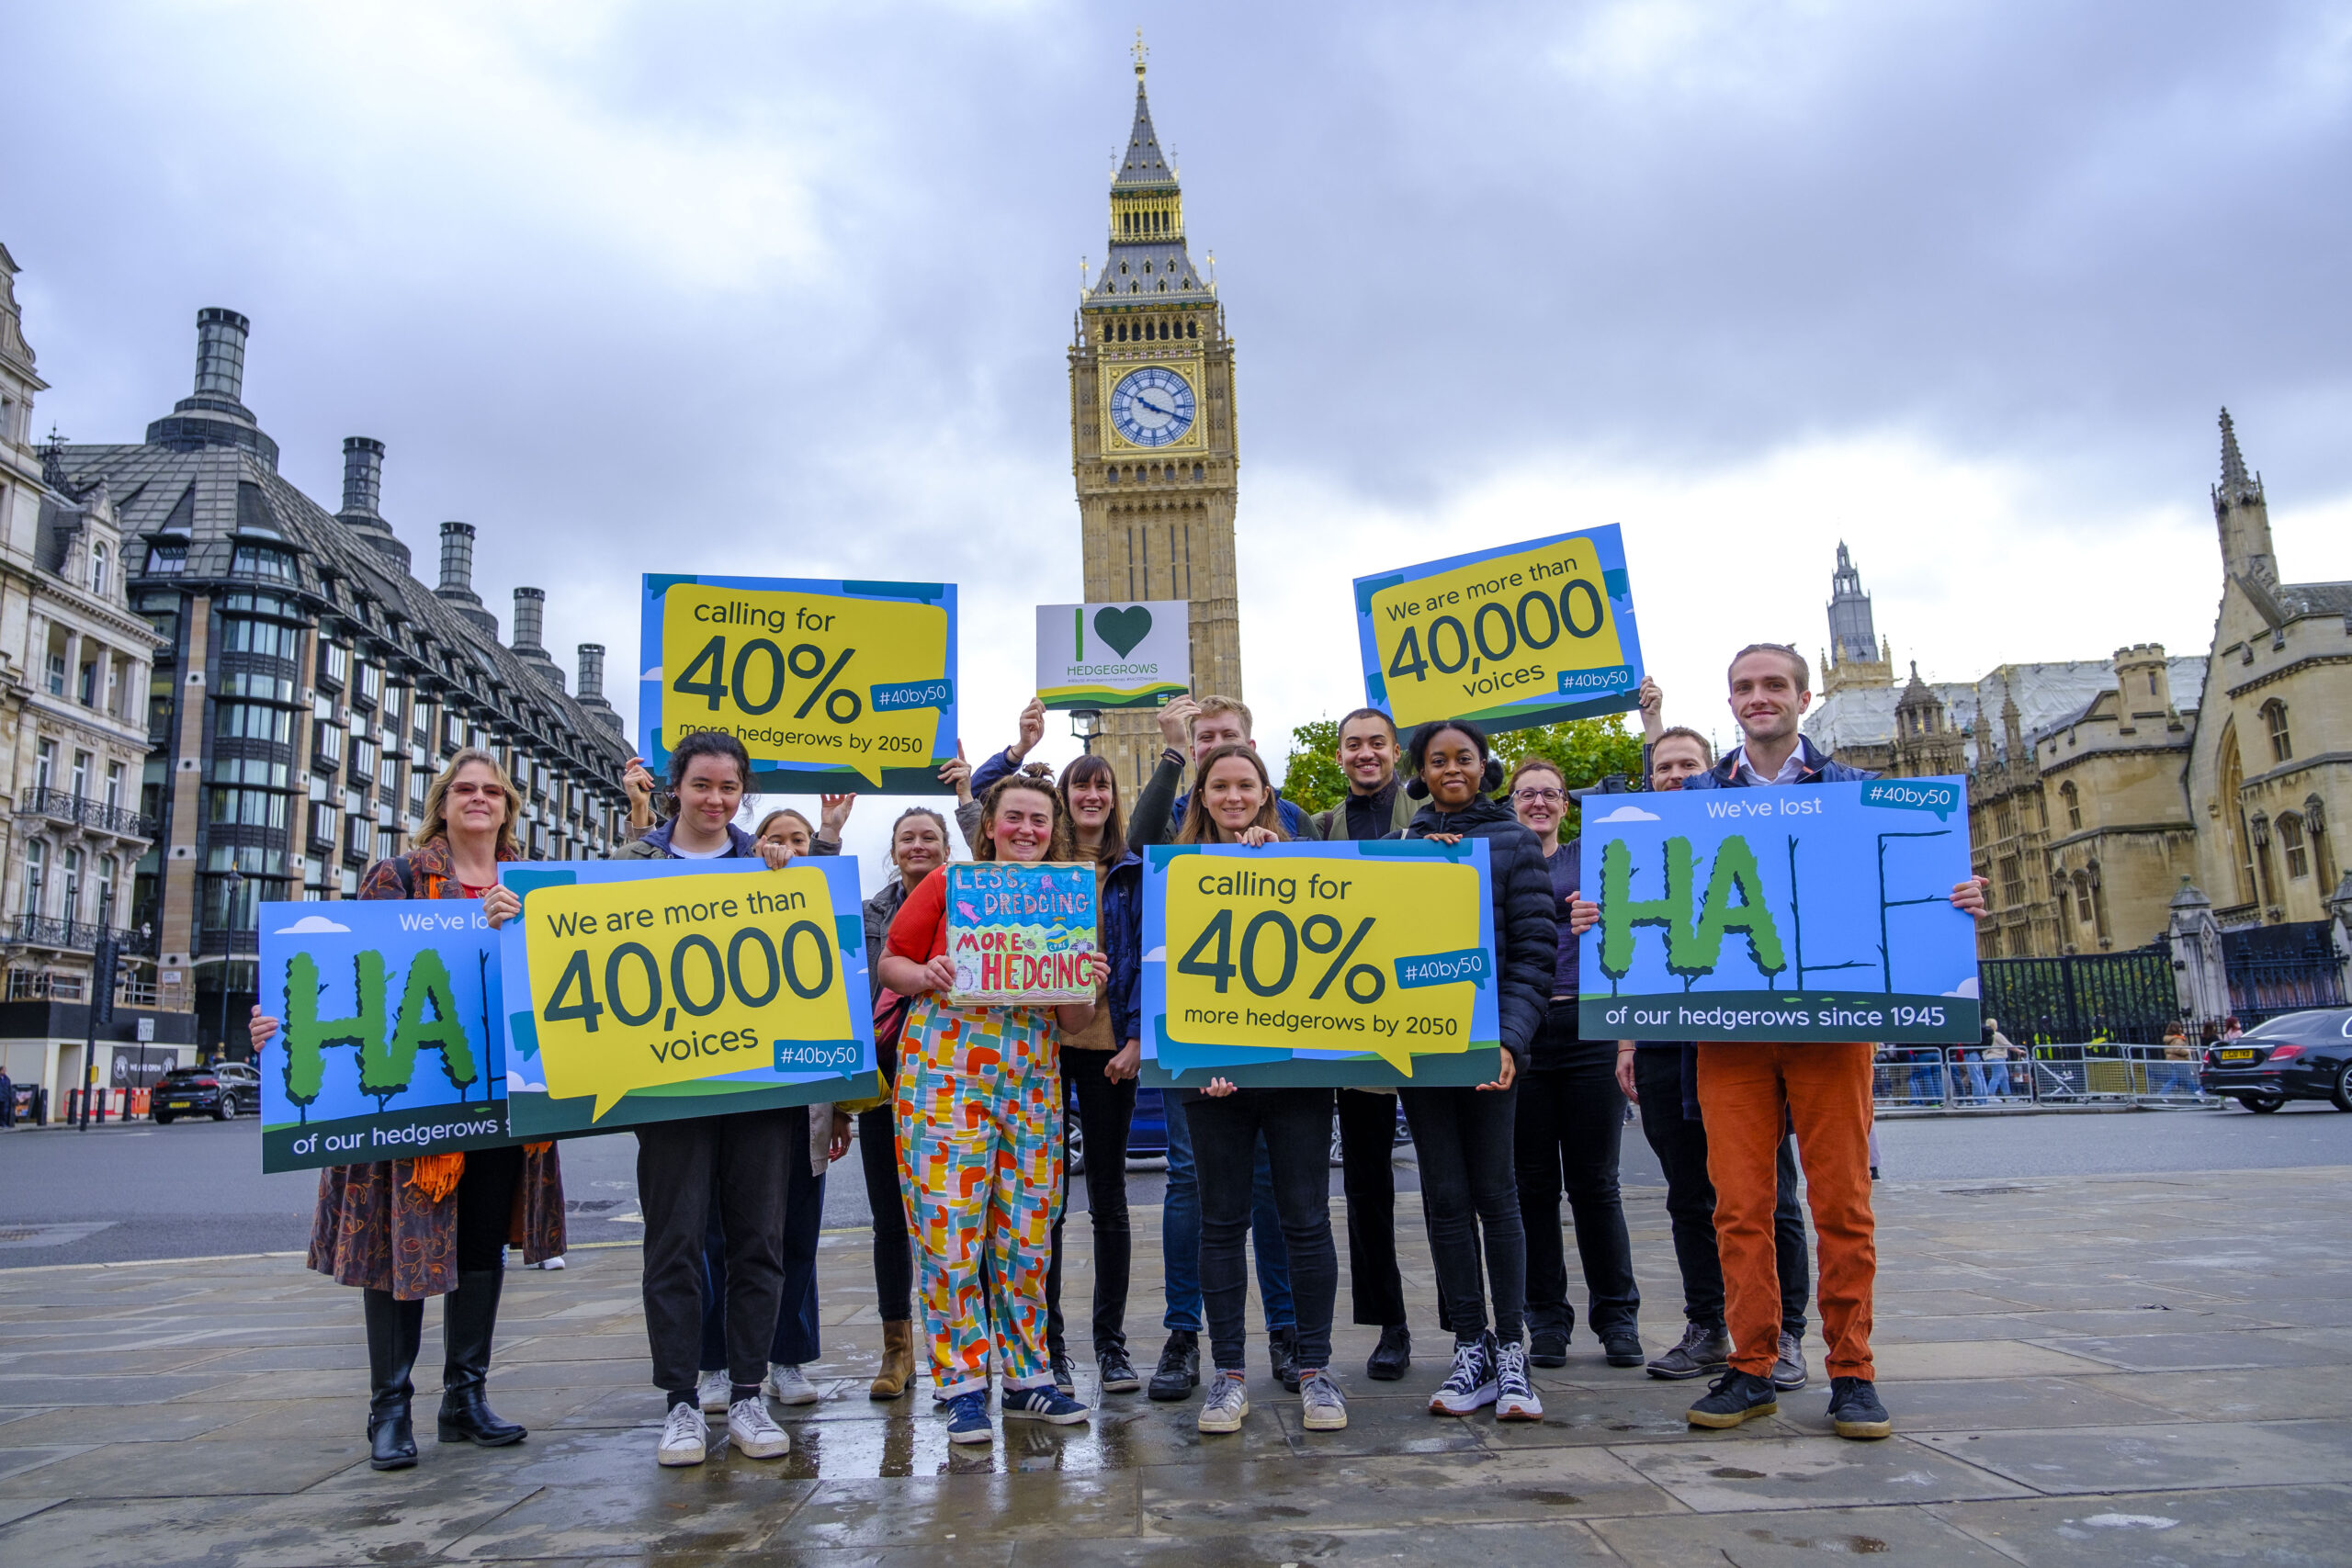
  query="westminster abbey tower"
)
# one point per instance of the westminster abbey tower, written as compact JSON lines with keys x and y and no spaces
{"x":1152,"y":434}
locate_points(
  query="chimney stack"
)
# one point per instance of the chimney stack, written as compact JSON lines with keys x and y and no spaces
{"x":456,"y":588}
{"x":363,"y":476}
{"x":220,"y":353}
{"x":592,"y":686}
{"x":530,"y":615}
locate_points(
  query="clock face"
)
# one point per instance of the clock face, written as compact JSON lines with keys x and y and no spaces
{"x":1152,"y":406}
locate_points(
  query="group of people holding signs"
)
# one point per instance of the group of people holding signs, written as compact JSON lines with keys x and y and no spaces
{"x":1432,"y":943}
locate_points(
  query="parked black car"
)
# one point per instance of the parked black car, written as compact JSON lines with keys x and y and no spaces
{"x":221,"y":1092}
{"x":2297,"y":1055}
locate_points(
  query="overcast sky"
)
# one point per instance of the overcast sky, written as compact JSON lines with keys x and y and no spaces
{"x":788,"y":290}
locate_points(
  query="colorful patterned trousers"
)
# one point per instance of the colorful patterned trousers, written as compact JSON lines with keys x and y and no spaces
{"x":979,"y":1110}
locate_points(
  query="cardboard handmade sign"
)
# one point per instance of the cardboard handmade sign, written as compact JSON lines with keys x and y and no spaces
{"x":833,"y":686}
{"x":1020,"y":935}
{"x":1369,"y":964}
{"x":1113,"y":656}
{"x":655,"y":989}
{"x":388,"y":1045}
{"x":1513,"y":636}
{"x":1806,"y":912}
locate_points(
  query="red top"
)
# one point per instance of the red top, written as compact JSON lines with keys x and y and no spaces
{"x":919,"y":932}
{"x":471,"y":891}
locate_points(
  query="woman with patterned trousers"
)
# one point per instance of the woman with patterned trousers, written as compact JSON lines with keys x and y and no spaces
{"x":406,"y":1229}
{"x":979,"y":1115}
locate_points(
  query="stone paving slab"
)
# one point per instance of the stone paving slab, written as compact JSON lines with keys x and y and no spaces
{"x":2102,"y":1371}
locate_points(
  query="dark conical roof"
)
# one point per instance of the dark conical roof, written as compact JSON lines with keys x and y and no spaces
{"x":1145,"y":166}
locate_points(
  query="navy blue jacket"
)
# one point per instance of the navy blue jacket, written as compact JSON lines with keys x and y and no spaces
{"x":1527,"y":932}
{"x":1818,"y":768}
{"x":1119,"y":923}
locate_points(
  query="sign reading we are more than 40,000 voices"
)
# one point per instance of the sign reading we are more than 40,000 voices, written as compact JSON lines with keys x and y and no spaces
{"x":833,"y":686}
{"x":1513,"y":636}
{"x":1369,"y":964}
{"x":650,"y":990}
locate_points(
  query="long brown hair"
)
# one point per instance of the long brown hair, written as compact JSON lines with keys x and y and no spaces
{"x":437,"y":799}
{"x":1036,"y":777}
{"x":1199,"y":827}
{"x":1086,"y":769}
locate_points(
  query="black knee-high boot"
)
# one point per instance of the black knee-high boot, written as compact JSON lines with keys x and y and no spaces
{"x":468,"y":1323}
{"x":394,"y":1329}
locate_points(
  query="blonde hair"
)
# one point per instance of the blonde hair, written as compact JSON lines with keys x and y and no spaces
{"x":436,"y":822}
{"x":1212,"y":705}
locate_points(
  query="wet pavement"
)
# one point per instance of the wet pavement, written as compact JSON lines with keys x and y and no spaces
{"x":2082,"y":1370}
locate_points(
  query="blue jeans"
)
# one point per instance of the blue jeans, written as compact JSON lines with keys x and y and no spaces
{"x":1180,"y":1230}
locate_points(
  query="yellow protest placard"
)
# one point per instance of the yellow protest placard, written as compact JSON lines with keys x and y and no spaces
{"x":1520,"y":636}
{"x":824,"y":682}
{"x":665,"y":980}
{"x":1289,"y":952}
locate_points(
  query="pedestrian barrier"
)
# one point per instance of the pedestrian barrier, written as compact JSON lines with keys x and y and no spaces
{"x":1960,"y":1077}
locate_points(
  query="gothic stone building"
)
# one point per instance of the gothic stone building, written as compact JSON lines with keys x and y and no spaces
{"x":1152,"y":443}
{"x":2095,"y":796}
{"x":307,"y":688}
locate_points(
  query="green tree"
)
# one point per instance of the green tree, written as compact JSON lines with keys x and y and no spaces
{"x":1311,"y":776}
{"x":1586,"y":749}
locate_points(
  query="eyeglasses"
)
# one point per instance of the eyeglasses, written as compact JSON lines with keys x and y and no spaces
{"x":1531,"y":796}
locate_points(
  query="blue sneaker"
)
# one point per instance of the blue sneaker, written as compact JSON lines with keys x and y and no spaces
{"x":1042,"y":1403}
{"x":967,"y":1418}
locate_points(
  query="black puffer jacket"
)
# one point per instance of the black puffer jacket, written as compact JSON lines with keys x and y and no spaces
{"x":1527,"y":932}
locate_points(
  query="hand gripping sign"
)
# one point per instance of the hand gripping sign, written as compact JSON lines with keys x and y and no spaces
{"x":832,"y":686}
{"x":387,"y":1045}
{"x":1807,"y":912}
{"x":1513,"y":636}
{"x":1369,"y":964}
{"x":650,"y":990}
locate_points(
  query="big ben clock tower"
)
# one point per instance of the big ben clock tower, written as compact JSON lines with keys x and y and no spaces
{"x":1151,"y":434}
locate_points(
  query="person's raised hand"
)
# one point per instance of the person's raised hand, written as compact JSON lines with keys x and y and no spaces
{"x":1032,"y":729}
{"x":957,"y":775}
{"x":1176,"y":721}
{"x":639,"y":782}
{"x":834,"y":816}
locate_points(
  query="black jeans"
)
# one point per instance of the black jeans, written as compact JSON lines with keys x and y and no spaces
{"x":795,"y":1341}
{"x":1470,"y":1198}
{"x":1107,"y":1112}
{"x":746,"y":1155}
{"x":1681,"y":1145}
{"x":893,"y":1247}
{"x":1296,"y":1123}
{"x":1368,"y":1145}
{"x":1570,"y":1128}
{"x":486,"y":1207}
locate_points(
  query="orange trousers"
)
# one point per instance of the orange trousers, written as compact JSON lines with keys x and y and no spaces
{"x":1825,"y":1089}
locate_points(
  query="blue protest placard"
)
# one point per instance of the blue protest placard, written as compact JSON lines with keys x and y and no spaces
{"x":1369,"y":964}
{"x":649,"y":990}
{"x":832,"y":686}
{"x":1511,"y":637}
{"x":1806,"y":912}
{"x":387,"y":1046}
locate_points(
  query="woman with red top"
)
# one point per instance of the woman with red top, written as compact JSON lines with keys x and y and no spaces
{"x":979,"y":1115}
{"x":406,"y":1229}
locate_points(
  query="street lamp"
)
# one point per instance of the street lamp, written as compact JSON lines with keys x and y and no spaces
{"x":1086,"y":724}
{"x":228,"y":911}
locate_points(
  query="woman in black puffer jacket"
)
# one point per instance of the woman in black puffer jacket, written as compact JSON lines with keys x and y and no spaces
{"x":1463,"y":1136}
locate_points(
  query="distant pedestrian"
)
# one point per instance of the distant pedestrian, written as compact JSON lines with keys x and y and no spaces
{"x":7,"y":1100}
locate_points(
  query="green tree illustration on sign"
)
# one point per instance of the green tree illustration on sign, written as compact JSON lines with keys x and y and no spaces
{"x":1733,"y":902}
{"x":427,"y":1021}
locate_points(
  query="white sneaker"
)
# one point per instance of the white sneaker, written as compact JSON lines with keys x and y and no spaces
{"x":785,"y":1385}
{"x":755,"y":1432}
{"x":684,"y":1437}
{"x":1227,"y":1403}
{"x":713,"y":1392}
{"x":551,"y":1262}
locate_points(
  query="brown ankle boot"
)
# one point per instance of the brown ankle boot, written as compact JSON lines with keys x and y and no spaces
{"x":898,"y":1361}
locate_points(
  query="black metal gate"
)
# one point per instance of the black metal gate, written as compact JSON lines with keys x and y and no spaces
{"x":2282,"y":968}
{"x":2128,"y":998}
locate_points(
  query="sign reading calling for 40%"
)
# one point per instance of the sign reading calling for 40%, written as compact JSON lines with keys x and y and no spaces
{"x":824,"y":683}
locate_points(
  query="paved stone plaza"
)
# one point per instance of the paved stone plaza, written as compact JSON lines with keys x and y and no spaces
{"x":2082,"y":1372}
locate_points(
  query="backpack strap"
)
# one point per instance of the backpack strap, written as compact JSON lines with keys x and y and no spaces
{"x":407,"y":874}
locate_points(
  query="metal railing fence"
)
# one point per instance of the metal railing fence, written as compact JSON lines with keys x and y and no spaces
{"x":1960,"y":1077}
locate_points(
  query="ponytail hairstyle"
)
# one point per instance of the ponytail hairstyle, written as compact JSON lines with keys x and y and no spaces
{"x":1087,"y":769}
{"x":1200,"y":828}
{"x":1038,"y":779}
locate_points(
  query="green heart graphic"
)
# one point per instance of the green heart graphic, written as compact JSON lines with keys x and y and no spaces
{"x":1123,"y":629}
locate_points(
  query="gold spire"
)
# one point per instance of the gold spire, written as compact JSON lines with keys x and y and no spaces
{"x":1140,"y":52}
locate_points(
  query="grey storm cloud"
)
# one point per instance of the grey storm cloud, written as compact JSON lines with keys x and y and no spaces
{"x":692,"y":287}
